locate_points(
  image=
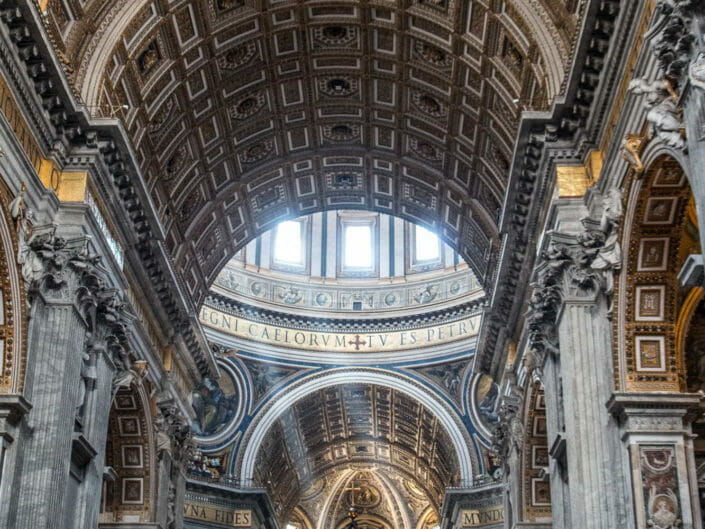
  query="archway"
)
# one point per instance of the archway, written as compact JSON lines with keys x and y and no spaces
{"x":130,"y":485}
{"x":441,"y":410}
{"x":232,"y":131}
{"x":12,"y":295}
{"x":660,"y":235}
{"x":393,"y":453}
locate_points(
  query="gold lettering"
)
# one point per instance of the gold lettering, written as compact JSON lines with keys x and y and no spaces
{"x":218,"y":515}
{"x":333,"y":342}
{"x":482,"y":517}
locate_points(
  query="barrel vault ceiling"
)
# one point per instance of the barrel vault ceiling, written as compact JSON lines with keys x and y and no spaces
{"x":359,"y":426}
{"x":245,"y":112}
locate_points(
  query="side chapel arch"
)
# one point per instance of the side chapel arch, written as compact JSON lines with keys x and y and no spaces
{"x":131,"y":494}
{"x":659,"y":233}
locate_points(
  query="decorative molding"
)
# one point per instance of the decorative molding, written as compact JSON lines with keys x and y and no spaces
{"x":573,"y":267}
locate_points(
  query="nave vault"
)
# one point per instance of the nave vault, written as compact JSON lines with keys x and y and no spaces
{"x":352,"y":264}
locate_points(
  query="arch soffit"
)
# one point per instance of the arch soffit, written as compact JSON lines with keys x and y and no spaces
{"x":139,"y":407}
{"x":13,"y":355}
{"x":209,"y":232}
{"x":446,"y":416}
{"x":632,"y":327}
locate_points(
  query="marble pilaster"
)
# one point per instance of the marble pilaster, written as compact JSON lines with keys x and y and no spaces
{"x":56,"y":341}
{"x":594,"y":461}
{"x":75,"y":331}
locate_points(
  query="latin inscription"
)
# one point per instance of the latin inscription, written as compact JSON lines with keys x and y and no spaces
{"x":321,"y":341}
{"x":481,"y":517}
{"x":218,"y":515}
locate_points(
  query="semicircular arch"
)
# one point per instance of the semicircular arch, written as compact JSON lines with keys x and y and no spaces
{"x":448,"y":418}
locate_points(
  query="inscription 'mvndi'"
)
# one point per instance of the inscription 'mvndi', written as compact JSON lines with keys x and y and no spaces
{"x":226,"y":517}
{"x":324,"y":341}
{"x":481,"y":517}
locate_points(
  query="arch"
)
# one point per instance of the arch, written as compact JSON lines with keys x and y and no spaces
{"x":659,"y":233}
{"x":223,"y":164}
{"x":13,"y":309}
{"x":429,"y":519}
{"x":203,"y":228}
{"x":300,"y":519}
{"x":261,"y":425}
{"x":534,"y":457}
{"x":94,"y":60}
{"x":330,"y":516}
{"x":130,"y":451}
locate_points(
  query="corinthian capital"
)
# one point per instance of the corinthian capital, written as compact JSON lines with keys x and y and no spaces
{"x":65,"y":271}
{"x":577,"y":265}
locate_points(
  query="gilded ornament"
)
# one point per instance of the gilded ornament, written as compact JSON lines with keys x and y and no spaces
{"x":631,"y":151}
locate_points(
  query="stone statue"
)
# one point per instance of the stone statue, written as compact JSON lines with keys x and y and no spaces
{"x":427,"y":294}
{"x":486,"y":406}
{"x":290,"y":295}
{"x":89,"y":375}
{"x":23,"y":223}
{"x":609,"y":256}
{"x":125,"y":377}
{"x":213,"y":408}
{"x":171,"y":507}
{"x":665,"y":117}
{"x":162,"y":440}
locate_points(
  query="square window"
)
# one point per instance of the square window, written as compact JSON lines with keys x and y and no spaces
{"x":357,"y":244}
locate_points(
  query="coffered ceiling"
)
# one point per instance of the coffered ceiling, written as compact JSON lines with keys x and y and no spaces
{"x":355,"y":426}
{"x":244,"y":112}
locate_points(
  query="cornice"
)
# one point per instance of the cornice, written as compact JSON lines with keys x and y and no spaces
{"x":296,"y":321}
{"x":566,"y":133}
{"x":63,"y":123}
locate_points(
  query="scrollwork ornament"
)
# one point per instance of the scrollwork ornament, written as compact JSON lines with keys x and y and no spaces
{"x":631,"y":151}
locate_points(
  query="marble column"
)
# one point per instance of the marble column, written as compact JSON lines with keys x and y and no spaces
{"x":656,"y":433}
{"x":569,"y":332}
